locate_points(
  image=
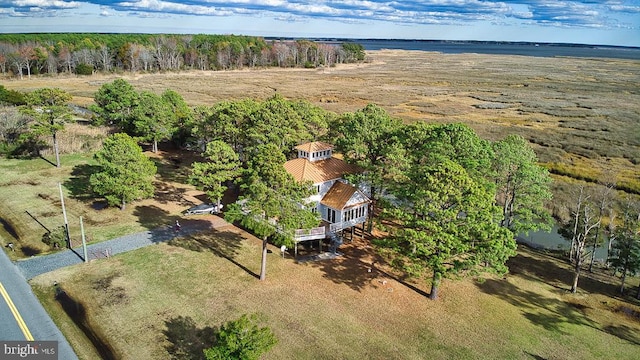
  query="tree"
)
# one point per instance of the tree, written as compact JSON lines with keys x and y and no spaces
{"x":446,"y":222}
{"x":115,"y":103}
{"x":354,"y":51}
{"x":226,"y":121}
{"x":241,"y":339}
{"x":153,"y":119}
{"x":625,"y":252}
{"x":223,"y":166}
{"x":13,"y":125}
{"x":427,"y":144}
{"x":369,"y":139}
{"x":276,"y":121}
{"x":183,"y":115}
{"x":272,"y":200}
{"x":49,"y":108}
{"x":604,"y":197}
{"x":522,"y":186}
{"x":580,"y":230}
{"x":125,"y":173}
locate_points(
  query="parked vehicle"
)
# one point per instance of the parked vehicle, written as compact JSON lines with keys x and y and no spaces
{"x":204,"y":209}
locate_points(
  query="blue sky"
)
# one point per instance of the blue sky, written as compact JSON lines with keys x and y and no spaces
{"x":608,"y":22}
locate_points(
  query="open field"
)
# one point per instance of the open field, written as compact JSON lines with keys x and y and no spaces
{"x":581,"y":115}
{"x":31,"y":204}
{"x":151,"y":303}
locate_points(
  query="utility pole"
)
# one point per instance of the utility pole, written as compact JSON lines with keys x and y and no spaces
{"x":84,"y":241}
{"x":64,"y":214}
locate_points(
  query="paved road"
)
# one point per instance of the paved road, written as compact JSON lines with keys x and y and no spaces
{"x":26,"y":307}
{"x":37,"y":265}
{"x":13,"y":278}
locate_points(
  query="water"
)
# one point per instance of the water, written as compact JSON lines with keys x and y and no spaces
{"x":553,"y":241}
{"x":504,"y":48}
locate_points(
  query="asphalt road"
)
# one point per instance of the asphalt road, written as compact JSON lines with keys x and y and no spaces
{"x":22,"y":317}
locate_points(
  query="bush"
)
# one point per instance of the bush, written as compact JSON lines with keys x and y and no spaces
{"x":84,"y":69}
{"x":11,"y":97}
{"x":56,"y":238}
{"x":241,"y":339}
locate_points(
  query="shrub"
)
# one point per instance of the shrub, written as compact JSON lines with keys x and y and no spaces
{"x":84,"y":69}
{"x":11,"y":97}
{"x":56,"y":238}
{"x":241,"y":339}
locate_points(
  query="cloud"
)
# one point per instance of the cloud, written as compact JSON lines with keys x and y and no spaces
{"x":561,"y":13}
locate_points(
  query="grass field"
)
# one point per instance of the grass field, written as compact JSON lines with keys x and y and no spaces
{"x":143,"y":302}
{"x":31,"y":202}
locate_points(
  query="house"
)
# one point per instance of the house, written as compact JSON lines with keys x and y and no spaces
{"x":340,"y":205}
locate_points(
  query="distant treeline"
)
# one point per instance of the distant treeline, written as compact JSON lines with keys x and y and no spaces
{"x":85,"y":53}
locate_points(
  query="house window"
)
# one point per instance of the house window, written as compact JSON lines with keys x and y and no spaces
{"x":331,"y":215}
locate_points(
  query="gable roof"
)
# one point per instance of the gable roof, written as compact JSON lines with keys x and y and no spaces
{"x":339,"y":195}
{"x":319,"y":171}
{"x":314,"y":146}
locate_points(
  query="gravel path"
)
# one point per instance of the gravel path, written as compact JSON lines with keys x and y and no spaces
{"x":37,"y":265}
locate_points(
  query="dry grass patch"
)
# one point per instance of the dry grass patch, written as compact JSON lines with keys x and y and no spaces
{"x":340,"y":310}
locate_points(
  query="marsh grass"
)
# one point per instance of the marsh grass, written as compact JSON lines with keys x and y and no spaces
{"x":566,"y":107}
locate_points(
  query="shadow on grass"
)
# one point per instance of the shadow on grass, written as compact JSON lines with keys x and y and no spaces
{"x":557,"y":273}
{"x":29,"y":250}
{"x":550,"y":313}
{"x":47,"y":160}
{"x":153,"y":217}
{"x":623,"y":332}
{"x":77,"y":312}
{"x":78,"y":183}
{"x":186,"y":341}
{"x":225,"y":244}
{"x":166,"y":193}
{"x":172,"y":168}
{"x":357,"y":268}
{"x":9,"y":229}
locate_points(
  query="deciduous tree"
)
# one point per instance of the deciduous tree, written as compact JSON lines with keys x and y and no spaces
{"x":625,"y":252}
{"x":126,"y":174}
{"x":580,"y":230}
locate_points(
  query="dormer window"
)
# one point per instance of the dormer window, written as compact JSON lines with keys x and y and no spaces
{"x":315,"y":151}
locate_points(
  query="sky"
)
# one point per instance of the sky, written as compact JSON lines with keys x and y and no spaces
{"x":602,"y":22}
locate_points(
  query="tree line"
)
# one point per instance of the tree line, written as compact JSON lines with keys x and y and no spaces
{"x":84,"y":54}
{"x":450,"y":202}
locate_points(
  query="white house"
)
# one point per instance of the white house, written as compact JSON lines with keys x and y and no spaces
{"x":340,"y":204}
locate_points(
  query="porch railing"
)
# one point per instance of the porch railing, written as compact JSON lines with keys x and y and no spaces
{"x":346,"y":224}
{"x":310,"y":234}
